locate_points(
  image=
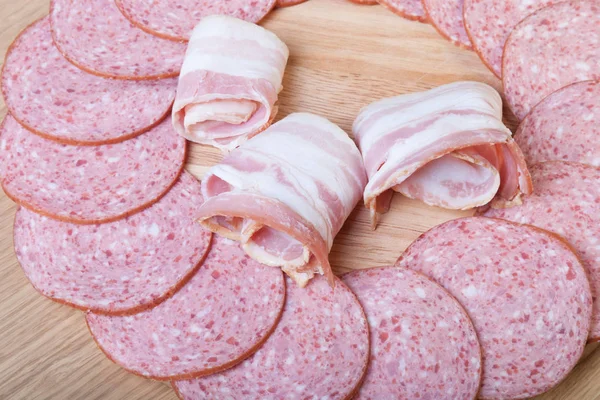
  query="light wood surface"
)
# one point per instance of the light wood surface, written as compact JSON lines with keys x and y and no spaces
{"x":343,"y":56}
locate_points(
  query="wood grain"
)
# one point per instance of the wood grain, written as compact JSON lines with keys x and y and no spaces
{"x":343,"y":56}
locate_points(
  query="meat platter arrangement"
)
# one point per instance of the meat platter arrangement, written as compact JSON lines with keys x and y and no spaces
{"x":223,"y":286}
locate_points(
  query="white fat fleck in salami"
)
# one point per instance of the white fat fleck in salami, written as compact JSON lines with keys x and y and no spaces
{"x":319,"y":350}
{"x":446,"y":16}
{"x":552,"y":48}
{"x":423,"y":344}
{"x":56,"y":100}
{"x":119,"y":267}
{"x":409,"y":9}
{"x":489,"y":23}
{"x":221,"y":316}
{"x":175,"y":19}
{"x":566,"y":201}
{"x":526,"y":292}
{"x":565,"y":126}
{"x":88,"y":184}
{"x":97,"y":38}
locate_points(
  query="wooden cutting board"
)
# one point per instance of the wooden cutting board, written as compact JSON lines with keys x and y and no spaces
{"x":342,"y":57}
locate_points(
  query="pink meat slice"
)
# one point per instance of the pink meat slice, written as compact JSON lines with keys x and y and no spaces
{"x":565,"y":126}
{"x":220,"y":317}
{"x":119,"y":267}
{"x":552,"y":48}
{"x":58,"y":101}
{"x":526,"y":292}
{"x":410,"y":9}
{"x":319,"y":350}
{"x":447,"y":18}
{"x":88,"y":184}
{"x":97,"y":38}
{"x":175,"y":19}
{"x":490,"y":22}
{"x":418,"y":332}
{"x":566,"y":201}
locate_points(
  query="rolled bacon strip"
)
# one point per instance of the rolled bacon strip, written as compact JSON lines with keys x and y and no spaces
{"x":446,"y":147}
{"x":229,"y":82}
{"x":286,"y":193}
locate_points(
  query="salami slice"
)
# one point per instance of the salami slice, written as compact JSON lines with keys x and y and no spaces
{"x":489,"y":23}
{"x":97,"y":38}
{"x":409,"y":9}
{"x":117,"y":268}
{"x":319,"y":350}
{"x":221,"y":316}
{"x":58,"y":101}
{"x":175,"y":19}
{"x":540,"y":56}
{"x":88,"y":184}
{"x":289,"y":3}
{"x":525,"y":291}
{"x":446,"y":16}
{"x":566,"y":201}
{"x":565,"y":126}
{"x":419,"y":333}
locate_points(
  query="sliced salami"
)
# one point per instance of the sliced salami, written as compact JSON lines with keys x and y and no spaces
{"x":89,"y":184}
{"x":489,"y":23}
{"x":565,"y":126}
{"x":566,"y":201}
{"x":289,"y":3}
{"x":175,"y":19}
{"x":526,"y":292}
{"x":446,"y":16}
{"x":97,"y":38}
{"x":540,"y":56}
{"x":56,"y":100}
{"x":319,"y":350}
{"x":120,"y":267}
{"x":409,"y":9}
{"x":423,"y":344}
{"x":221,"y":316}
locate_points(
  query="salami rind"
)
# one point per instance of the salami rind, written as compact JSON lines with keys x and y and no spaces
{"x":96,"y":37}
{"x":526,"y":292}
{"x":58,"y":101}
{"x":221,"y":316}
{"x":116,"y":268}
{"x":89,"y":184}
{"x":489,"y":23}
{"x":409,"y":9}
{"x":175,"y":19}
{"x":420,"y":333}
{"x":446,"y":16}
{"x":566,"y":201}
{"x":565,"y":126}
{"x":319,"y":350}
{"x":540,"y":56}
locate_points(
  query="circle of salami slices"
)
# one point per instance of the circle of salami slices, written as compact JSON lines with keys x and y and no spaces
{"x":565,"y":126}
{"x":526,"y":292}
{"x":119,"y":267}
{"x":175,"y":19}
{"x":89,"y":184}
{"x":96,"y":37}
{"x":320,"y":349}
{"x":446,"y":16}
{"x":540,"y":56}
{"x":410,"y":9}
{"x":56,"y":100}
{"x":566,"y":201}
{"x":423,"y":344}
{"x":221,"y":316}
{"x":489,"y":23}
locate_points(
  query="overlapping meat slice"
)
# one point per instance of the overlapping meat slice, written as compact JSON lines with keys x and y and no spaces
{"x":447,"y":147}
